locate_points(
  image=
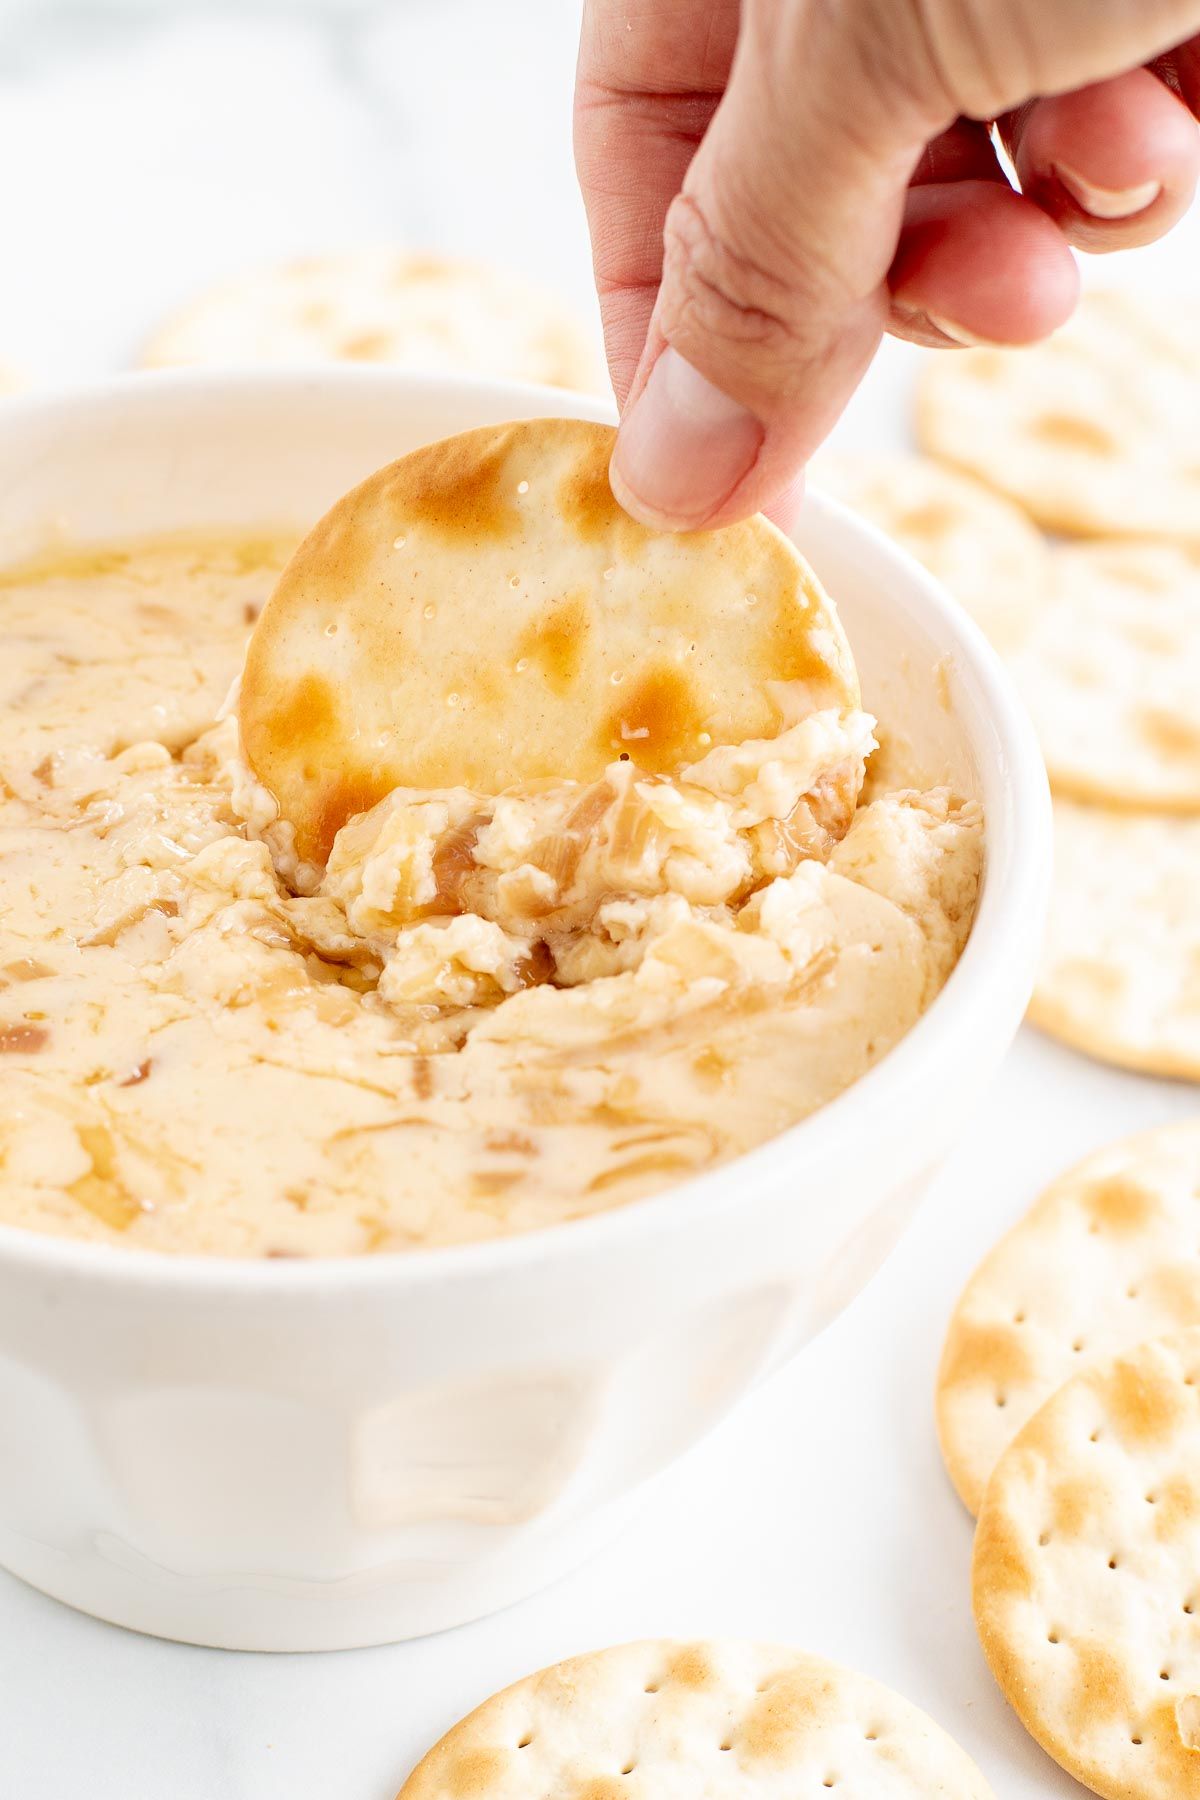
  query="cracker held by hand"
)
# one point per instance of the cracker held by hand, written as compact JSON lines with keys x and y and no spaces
{"x":675,"y":1721}
{"x":483,"y":614}
{"x":1087,"y":1573}
{"x":1108,"y":1256}
{"x":1096,"y":431}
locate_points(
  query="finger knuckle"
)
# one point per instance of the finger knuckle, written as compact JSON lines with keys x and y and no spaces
{"x":715,"y":289}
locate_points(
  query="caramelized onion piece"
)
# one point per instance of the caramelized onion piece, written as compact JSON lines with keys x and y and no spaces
{"x":454,"y":863}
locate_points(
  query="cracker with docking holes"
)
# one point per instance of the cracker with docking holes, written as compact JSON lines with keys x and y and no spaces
{"x":978,"y":544}
{"x":1086,"y":1575}
{"x":674,"y":1721}
{"x":1110,"y":670}
{"x":1096,"y":431}
{"x":1120,"y":972}
{"x":421,"y":312}
{"x":483,"y":614}
{"x":1107,"y":1257}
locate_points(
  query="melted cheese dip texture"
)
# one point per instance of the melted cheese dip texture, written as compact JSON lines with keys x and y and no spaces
{"x":486,"y":1015}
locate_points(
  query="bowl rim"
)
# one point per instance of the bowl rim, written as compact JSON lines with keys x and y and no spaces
{"x":1004,"y":931}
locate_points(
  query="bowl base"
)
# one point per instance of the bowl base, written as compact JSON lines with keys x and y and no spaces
{"x":278,"y":1613}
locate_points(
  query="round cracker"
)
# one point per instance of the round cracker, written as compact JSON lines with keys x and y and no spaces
{"x":979,"y":545}
{"x":482,"y":613}
{"x":671,"y":1721}
{"x":1120,"y":970}
{"x":1110,"y":670}
{"x":386,"y":306}
{"x":1107,"y":1257}
{"x":1095,"y":431}
{"x":1086,"y":1574}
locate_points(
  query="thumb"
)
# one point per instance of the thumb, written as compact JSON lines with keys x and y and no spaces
{"x":776,"y":252}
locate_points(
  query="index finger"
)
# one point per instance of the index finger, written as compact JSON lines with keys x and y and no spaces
{"x":651,"y":75}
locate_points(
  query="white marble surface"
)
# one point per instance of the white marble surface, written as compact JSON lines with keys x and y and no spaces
{"x":152,"y":148}
{"x":148,"y":148}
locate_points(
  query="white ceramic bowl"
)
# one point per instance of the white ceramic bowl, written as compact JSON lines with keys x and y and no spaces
{"x":311,"y":1455}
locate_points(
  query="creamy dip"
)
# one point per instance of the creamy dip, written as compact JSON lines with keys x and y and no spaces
{"x":485,"y":1015}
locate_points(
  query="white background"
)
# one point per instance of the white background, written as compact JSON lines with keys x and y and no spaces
{"x":144,"y":150}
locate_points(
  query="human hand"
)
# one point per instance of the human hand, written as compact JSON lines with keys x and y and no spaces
{"x":772,"y":185}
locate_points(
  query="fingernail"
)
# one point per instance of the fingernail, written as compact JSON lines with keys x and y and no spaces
{"x":682,"y":448}
{"x":960,"y":334}
{"x":1108,"y":203}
